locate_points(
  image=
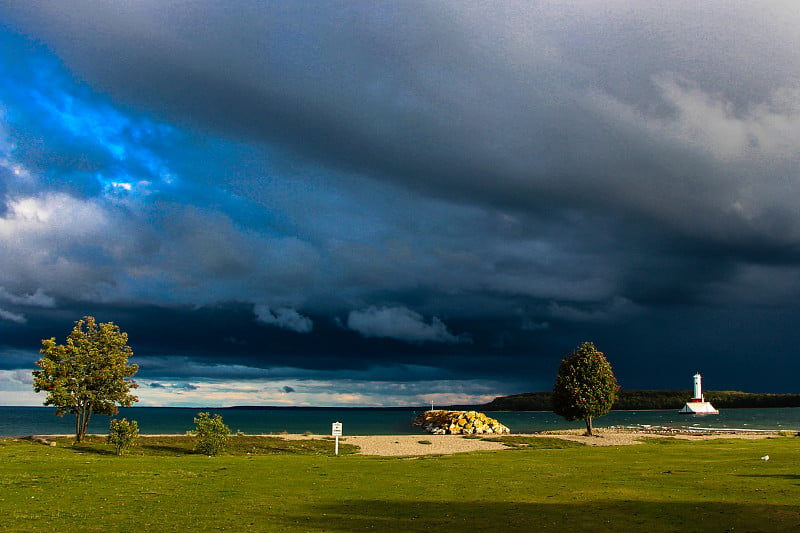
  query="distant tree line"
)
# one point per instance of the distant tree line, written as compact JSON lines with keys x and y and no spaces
{"x":633,"y":400}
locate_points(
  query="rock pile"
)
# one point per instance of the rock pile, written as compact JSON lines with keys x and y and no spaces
{"x":459,"y":423}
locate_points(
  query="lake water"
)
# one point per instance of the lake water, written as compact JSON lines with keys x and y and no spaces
{"x":18,"y":421}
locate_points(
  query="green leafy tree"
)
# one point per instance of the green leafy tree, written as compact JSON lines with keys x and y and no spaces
{"x":123,"y":434}
{"x":211,"y":432}
{"x":87,"y":374}
{"x":585,"y":386}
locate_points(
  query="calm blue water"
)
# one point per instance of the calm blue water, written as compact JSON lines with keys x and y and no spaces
{"x":18,"y":421}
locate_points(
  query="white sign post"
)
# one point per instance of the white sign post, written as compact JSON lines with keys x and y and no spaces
{"x":336,"y":431}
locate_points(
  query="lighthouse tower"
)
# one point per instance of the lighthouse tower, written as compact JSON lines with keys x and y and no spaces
{"x":698,"y":388}
{"x":698,"y":405}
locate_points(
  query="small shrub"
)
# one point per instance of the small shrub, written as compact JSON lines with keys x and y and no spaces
{"x":211,"y":432}
{"x":123,"y":434}
{"x":424,"y":442}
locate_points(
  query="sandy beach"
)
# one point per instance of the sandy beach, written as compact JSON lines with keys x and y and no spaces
{"x":410,"y":445}
{"x":423,"y":444}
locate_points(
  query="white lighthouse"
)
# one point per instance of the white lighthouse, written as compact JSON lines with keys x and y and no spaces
{"x":698,"y":405}
{"x":698,"y":388}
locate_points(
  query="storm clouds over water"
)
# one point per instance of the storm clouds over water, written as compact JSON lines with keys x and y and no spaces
{"x":381,"y":203}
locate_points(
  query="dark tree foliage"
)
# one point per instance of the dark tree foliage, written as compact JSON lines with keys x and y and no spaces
{"x":585,"y":386}
{"x":87,"y":374}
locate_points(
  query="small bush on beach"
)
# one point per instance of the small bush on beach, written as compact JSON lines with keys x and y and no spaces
{"x":212,"y":434}
{"x":123,"y":434}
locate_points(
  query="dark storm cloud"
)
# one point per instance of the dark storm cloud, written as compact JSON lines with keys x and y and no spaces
{"x":284,"y":318}
{"x":662,"y":118}
{"x":379,"y":187}
{"x":399,"y":323}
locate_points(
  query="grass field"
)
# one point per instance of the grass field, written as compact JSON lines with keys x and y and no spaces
{"x":667,"y":485}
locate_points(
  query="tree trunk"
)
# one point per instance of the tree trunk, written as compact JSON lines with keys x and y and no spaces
{"x":82,"y":422}
{"x":78,"y":426}
{"x":589,"y":426}
{"x":86,"y":420}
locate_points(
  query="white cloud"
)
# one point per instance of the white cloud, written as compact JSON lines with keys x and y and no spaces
{"x":46,"y":239}
{"x":20,"y":377}
{"x":37,"y":299}
{"x":769,"y":128}
{"x":283,"y":317}
{"x":16,"y":388}
{"x":54,"y":212}
{"x":399,"y":323}
{"x":13,"y":317}
{"x":21,"y":398}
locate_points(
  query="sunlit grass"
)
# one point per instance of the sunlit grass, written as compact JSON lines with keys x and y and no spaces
{"x":522,"y":441}
{"x":184,"y":445}
{"x":683,"y":486}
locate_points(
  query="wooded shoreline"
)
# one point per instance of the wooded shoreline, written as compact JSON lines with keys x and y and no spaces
{"x":637,"y":400}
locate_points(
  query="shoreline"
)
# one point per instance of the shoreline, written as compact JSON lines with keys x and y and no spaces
{"x":428,"y":444}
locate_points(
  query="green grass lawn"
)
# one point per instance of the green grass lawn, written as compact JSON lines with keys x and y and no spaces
{"x":667,"y":485}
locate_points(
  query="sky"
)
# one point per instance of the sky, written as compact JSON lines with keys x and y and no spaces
{"x":368,"y":203}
